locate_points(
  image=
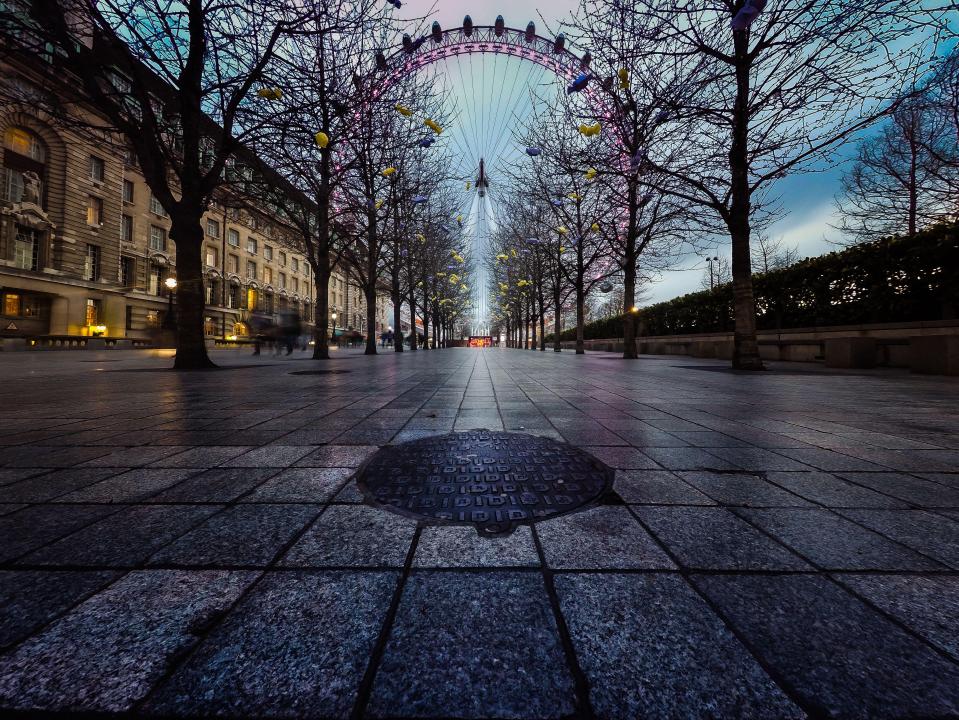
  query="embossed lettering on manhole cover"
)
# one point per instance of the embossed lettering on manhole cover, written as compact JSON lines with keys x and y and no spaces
{"x":490,"y":479}
{"x":319,"y":372}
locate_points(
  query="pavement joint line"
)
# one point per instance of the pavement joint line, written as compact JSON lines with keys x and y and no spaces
{"x":777,"y":677}
{"x":584,"y":704}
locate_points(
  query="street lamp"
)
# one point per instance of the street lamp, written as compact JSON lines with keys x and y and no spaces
{"x":711,"y":260}
{"x":333,"y":318}
{"x":169,"y":322}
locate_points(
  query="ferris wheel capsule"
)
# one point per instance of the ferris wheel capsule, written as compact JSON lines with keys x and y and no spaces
{"x":578,"y":84}
{"x":467,"y":26}
{"x":407,"y":43}
{"x":530,"y":34}
{"x":533,"y":151}
{"x":433,"y":125}
{"x":585,"y":60}
{"x":436,"y":31}
{"x":605,"y":287}
{"x":426,"y":142}
{"x":559,"y":44}
{"x":499,"y":26}
{"x":419,"y":199}
{"x":381,"y":60}
{"x":395,"y":3}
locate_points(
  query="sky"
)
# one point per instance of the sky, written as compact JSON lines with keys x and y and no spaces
{"x":807,"y":199}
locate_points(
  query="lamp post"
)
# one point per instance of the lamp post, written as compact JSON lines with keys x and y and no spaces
{"x":169,"y":322}
{"x":711,"y":260}
{"x":333,"y":318}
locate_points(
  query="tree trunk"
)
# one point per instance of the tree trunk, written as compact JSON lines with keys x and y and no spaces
{"x":413,"y":338}
{"x":557,"y":321}
{"x":191,"y":353}
{"x":913,"y":189}
{"x":580,"y":317}
{"x":397,"y":321}
{"x":532,"y":324}
{"x":542,"y":323}
{"x":629,"y":275}
{"x":745,"y":347}
{"x":321,"y":330}
{"x":370,"y":293}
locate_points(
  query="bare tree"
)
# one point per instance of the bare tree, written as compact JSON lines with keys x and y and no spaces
{"x":770,"y":95}
{"x":320,"y":75}
{"x":769,"y":254}
{"x":896,"y":183}
{"x":176,"y":83}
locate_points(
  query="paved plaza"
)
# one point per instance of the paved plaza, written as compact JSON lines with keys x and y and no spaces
{"x":778,"y":545}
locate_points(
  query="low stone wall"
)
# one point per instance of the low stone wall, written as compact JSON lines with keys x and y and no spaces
{"x":924,"y":347}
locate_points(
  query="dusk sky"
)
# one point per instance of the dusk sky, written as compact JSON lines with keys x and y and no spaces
{"x":808,"y":199}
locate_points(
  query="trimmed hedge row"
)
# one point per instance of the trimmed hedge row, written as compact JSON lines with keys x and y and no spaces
{"x":890,"y":280}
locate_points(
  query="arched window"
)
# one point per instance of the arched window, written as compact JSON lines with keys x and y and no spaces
{"x":24,"y":166}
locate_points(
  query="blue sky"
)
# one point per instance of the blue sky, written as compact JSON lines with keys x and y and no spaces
{"x":807,"y":199}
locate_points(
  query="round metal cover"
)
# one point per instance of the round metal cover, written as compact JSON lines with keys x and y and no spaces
{"x":319,"y":372}
{"x":492,"y":480}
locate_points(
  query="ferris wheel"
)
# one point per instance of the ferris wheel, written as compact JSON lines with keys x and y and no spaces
{"x":492,"y":77}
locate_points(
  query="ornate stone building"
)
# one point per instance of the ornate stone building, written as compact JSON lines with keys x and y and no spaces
{"x":85,"y":248}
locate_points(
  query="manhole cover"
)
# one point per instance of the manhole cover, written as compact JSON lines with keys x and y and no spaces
{"x":491,"y":480}
{"x":320,"y":372}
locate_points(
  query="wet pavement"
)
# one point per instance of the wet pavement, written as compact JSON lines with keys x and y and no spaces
{"x":777,"y":545}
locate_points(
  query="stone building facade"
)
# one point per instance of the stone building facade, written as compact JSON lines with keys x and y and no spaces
{"x":85,"y":247}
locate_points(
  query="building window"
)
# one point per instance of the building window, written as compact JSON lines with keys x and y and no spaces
{"x":296,"y":285}
{"x":282,"y":259}
{"x":94,"y":211}
{"x":233,"y":265}
{"x":93,"y":311}
{"x":233,"y":298}
{"x":23,"y":166}
{"x":127,"y":271}
{"x":268,"y":302}
{"x":295,"y":265}
{"x":155,"y":207}
{"x":251,"y":245}
{"x":157,"y":238}
{"x":24,"y":142}
{"x":233,"y":238}
{"x":268,"y":252}
{"x":11,"y":304}
{"x":129,"y":157}
{"x":155,"y":279}
{"x":212,"y":292}
{"x":212,"y":257}
{"x":213,"y":228}
{"x":153,"y":319}
{"x":251,"y":298}
{"x":251,"y":269}
{"x":97,"y":169}
{"x":282,"y":280}
{"x":26,"y":249}
{"x":268,"y":275}
{"x":127,"y":191}
{"x":91,"y":264}
{"x":209,"y":326}
{"x":126,"y":228}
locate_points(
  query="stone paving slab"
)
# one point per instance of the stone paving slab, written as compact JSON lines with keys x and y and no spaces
{"x":777,"y":545}
{"x":474,"y":645}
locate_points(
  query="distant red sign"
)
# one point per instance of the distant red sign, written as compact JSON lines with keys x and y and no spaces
{"x":481,"y":340}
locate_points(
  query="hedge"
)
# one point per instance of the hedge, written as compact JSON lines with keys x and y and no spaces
{"x":895,"y":279}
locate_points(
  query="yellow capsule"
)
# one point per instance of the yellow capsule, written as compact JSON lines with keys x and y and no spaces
{"x":386,"y":172}
{"x":562,"y":230}
{"x":272,"y":93}
{"x":591,"y":174}
{"x":574,"y":197}
{"x":623,"y":78}
{"x":433,"y":125}
{"x":322,"y":139}
{"x":403,"y":110}
{"x":594,"y":227}
{"x":379,"y":203}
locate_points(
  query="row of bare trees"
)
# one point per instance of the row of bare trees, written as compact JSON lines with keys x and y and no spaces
{"x":707,"y":105}
{"x":276,"y":104}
